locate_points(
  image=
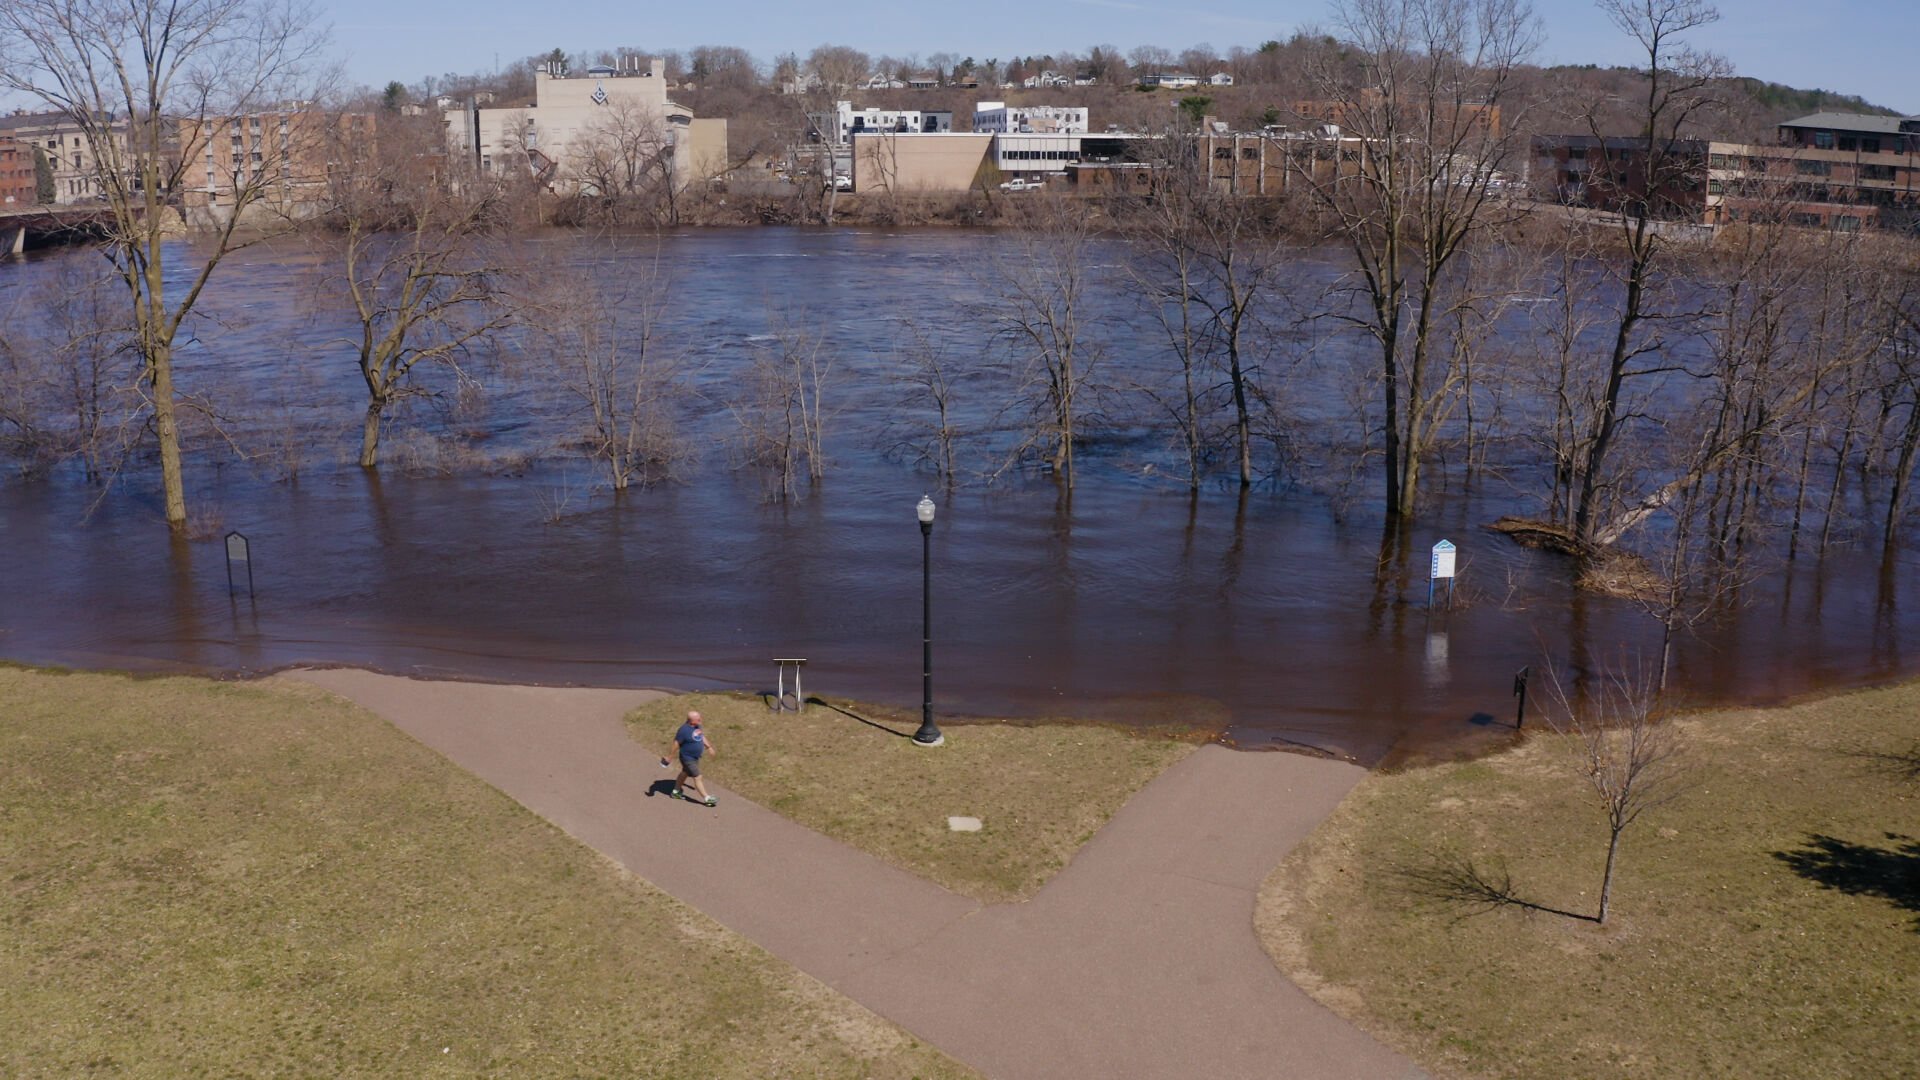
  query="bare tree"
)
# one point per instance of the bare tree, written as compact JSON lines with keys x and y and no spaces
{"x":1679,"y":87}
{"x":133,"y":75}
{"x":1627,"y":756}
{"x":926,"y":376}
{"x":839,"y":67}
{"x":783,"y":413}
{"x":414,"y":259}
{"x":1040,"y":307}
{"x":625,"y":161}
{"x":604,"y":337}
{"x":1408,"y":186}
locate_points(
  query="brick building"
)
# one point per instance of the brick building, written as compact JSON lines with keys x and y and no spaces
{"x":1828,"y":170}
{"x":17,"y":183}
{"x":1614,"y":173}
{"x":280,"y":162}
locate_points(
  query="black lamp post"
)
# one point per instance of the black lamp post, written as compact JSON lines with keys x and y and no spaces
{"x":929,"y":733}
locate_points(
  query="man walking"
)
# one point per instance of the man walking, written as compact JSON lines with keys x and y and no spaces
{"x":691,"y":744}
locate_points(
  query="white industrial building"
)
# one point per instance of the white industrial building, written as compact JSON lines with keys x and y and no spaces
{"x":1017,"y":154}
{"x":839,"y":126}
{"x":999,"y":117}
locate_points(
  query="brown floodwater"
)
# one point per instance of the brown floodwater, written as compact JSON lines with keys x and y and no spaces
{"x":1264,"y":617}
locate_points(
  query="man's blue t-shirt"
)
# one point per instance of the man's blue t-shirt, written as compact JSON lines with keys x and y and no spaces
{"x":692,"y":741}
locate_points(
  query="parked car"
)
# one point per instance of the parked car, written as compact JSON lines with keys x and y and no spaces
{"x":1023,"y":184}
{"x":842,"y":182}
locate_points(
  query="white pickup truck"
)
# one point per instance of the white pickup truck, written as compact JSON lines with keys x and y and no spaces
{"x":1023,"y":184}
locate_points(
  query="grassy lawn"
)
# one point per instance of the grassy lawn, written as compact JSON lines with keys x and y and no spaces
{"x":215,"y":879}
{"x":1039,"y":791}
{"x":1764,"y":924}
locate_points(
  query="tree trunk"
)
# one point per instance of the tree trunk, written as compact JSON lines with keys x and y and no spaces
{"x":167,"y":430}
{"x":370,"y":435}
{"x":1606,"y":877}
{"x":1902,"y":473}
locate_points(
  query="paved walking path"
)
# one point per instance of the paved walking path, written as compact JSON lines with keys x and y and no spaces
{"x":1137,"y":960}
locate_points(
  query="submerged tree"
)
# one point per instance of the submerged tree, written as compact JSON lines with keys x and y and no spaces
{"x":1416,"y":93}
{"x":150,"y":85}
{"x":1646,"y":176}
{"x":1040,"y":309}
{"x":415,"y":260}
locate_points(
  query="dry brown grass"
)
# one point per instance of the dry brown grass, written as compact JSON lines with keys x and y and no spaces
{"x":1766,"y":924}
{"x":253,"y":879}
{"x":1040,"y":791}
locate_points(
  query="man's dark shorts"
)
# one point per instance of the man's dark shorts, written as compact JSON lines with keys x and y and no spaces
{"x":690,"y":765}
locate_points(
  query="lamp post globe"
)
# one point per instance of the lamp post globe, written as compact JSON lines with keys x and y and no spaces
{"x":929,"y":733}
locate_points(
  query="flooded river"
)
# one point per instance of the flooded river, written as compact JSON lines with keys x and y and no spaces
{"x":1278,"y":616}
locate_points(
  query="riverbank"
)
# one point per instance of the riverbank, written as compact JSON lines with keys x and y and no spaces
{"x":258,"y":878}
{"x":1765,"y":923}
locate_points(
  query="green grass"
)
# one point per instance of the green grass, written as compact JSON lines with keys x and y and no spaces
{"x":1740,"y":944}
{"x":215,"y":879}
{"x":1040,"y":791}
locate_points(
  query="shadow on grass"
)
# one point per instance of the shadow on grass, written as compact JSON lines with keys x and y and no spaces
{"x":1891,"y":873}
{"x":1458,"y":881}
{"x":874,"y":724}
{"x":1898,"y":764}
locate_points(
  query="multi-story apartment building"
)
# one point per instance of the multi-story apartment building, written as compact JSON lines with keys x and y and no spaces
{"x":576,"y":123}
{"x":68,"y":149}
{"x":18,"y":187}
{"x":999,"y":117}
{"x":838,"y":127}
{"x":1831,"y":170}
{"x":276,"y":162}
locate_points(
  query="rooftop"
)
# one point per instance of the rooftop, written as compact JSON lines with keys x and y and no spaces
{"x":1885,"y":125}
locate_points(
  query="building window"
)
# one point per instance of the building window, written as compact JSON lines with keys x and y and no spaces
{"x":1847,"y":223}
{"x":1876,"y":172}
{"x":1869,"y":146}
{"x":1823,"y":140}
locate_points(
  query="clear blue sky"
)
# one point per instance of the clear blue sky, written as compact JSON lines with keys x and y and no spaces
{"x":1853,"y":46}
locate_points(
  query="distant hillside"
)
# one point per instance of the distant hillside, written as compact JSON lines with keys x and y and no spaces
{"x":1561,"y":99}
{"x":1792,"y":101}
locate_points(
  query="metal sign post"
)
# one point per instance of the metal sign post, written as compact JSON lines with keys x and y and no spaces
{"x":238,"y":552}
{"x":1443,"y":561}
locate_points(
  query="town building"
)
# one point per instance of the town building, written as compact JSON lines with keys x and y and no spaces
{"x":281,"y":163}
{"x":1046,"y":80}
{"x":1613,"y":173}
{"x":998,"y":116}
{"x":1169,"y":80}
{"x":886,"y":162}
{"x":576,"y":120}
{"x":1031,"y":154}
{"x":1277,"y":160}
{"x":68,"y":149}
{"x":18,"y":185}
{"x":841,"y":125}
{"x":1220,"y":79}
{"x":1829,"y":170}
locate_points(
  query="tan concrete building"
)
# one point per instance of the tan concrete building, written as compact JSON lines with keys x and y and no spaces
{"x":281,"y":162}
{"x":922,"y":164}
{"x":606,"y":128}
{"x":68,"y":150}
